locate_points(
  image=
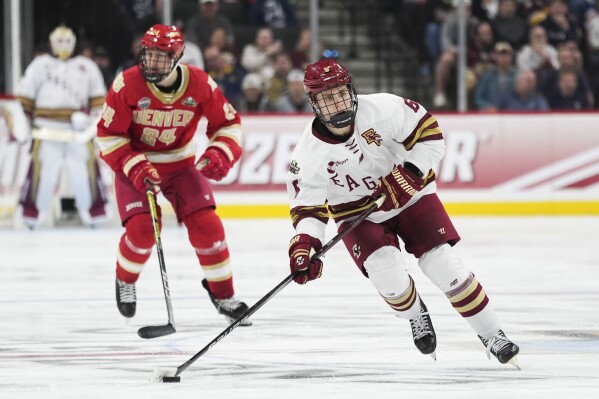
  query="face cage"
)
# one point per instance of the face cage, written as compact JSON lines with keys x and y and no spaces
{"x":337,"y":119}
{"x":155,"y":76}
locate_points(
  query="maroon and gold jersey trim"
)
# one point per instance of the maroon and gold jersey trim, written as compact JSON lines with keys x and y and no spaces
{"x":426,"y":129}
{"x":317,"y":212}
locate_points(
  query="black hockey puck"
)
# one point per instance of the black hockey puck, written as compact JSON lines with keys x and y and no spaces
{"x":171,"y":379}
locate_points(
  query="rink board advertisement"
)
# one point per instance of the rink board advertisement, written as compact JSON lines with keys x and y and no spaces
{"x":494,"y":164}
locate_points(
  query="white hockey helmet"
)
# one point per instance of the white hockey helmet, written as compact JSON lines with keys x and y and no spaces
{"x":62,"y":41}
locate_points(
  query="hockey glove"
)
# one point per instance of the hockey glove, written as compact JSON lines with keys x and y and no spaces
{"x":141,"y":172}
{"x":299,"y":258}
{"x":399,"y":186}
{"x":214,"y":164}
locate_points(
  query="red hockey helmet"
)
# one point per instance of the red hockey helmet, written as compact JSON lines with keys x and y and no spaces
{"x":169,"y":40}
{"x":326,"y":75}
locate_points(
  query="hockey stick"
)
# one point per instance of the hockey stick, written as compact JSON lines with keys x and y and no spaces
{"x":171,"y":375}
{"x":169,"y":328}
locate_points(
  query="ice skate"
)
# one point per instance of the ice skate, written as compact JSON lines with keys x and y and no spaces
{"x":126,"y":298}
{"x":423,"y":332}
{"x":502,"y":348}
{"x":231,"y":308}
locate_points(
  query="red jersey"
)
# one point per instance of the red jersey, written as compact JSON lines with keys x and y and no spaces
{"x":140,"y":119}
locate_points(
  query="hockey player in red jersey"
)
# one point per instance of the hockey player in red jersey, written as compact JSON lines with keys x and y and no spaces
{"x":145,"y":135}
{"x":388,"y":146}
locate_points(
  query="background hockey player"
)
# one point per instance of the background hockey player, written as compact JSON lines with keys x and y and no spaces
{"x":145,"y":135}
{"x":63,"y":97}
{"x":389,"y":145}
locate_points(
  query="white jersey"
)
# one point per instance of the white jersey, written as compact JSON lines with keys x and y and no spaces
{"x":327,"y":177}
{"x":52,"y":89}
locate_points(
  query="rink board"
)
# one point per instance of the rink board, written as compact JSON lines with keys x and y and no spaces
{"x":494,"y":164}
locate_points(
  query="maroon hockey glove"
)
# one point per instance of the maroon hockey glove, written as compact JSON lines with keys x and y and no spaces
{"x":214,"y":164}
{"x":141,"y":172}
{"x":299,"y":258}
{"x":399,"y":186}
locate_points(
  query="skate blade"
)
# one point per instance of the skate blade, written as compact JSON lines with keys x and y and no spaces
{"x":514,"y":362}
{"x":434,"y":355}
{"x":243,"y":323}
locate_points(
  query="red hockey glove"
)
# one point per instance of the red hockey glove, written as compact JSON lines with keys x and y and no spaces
{"x":299,"y":258}
{"x":399,"y":186}
{"x":141,"y":172}
{"x":214,"y":164}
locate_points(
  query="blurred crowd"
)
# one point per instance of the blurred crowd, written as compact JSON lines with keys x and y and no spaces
{"x":521,"y":54}
{"x":256,"y":52}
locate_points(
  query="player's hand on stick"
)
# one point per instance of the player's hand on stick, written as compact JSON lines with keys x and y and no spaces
{"x":214,"y":164}
{"x":399,"y":186}
{"x":300,"y":248}
{"x":141,"y":172}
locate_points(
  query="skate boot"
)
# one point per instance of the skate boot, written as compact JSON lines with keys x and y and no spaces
{"x":502,"y":348}
{"x":231,"y":308}
{"x":423,"y":332}
{"x":125,"y":298}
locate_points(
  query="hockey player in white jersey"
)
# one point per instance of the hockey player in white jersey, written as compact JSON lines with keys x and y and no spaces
{"x":347,"y":157}
{"x":63,"y":96}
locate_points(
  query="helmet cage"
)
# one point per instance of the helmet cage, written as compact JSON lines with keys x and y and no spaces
{"x":160,"y":50}
{"x":159,"y":70}
{"x":339,"y":116}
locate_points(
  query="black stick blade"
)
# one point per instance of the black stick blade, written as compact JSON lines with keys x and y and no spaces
{"x":156,"y":331}
{"x":171,"y":379}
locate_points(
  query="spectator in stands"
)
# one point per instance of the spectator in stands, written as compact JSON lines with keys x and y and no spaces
{"x":220,"y":39}
{"x":277,"y":84}
{"x":558,"y":25}
{"x":128,"y":63}
{"x":567,"y":59}
{"x":537,"y":55}
{"x":142,"y":14}
{"x":485,"y":10}
{"x":256,"y":57}
{"x":223,"y":70}
{"x":103,"y":61}
{"x":498,"y":80}
{"x":435,"y":12}
{"x":508,"y":26}
{"x":192,"y":55}
{"x":480,"y":48}
{"x":300,"y":56}
{"x":274,"y":14}
{"x":567,"y":95}
{"x":524,"y":96}
{"x":294,"y":99}
{"x":253,"y":99}
{"x":199,"y":27}
{"x":446,"y":62}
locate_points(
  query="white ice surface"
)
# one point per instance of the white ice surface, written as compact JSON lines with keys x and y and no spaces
{"x":61,"y":335}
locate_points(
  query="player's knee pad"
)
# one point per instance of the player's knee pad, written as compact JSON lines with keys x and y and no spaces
{"x":140,"y":231}
{"x":387,"y":271}
{"x":204,"y":228}
{"x":207,"y":236}
{"x":444,"y":267}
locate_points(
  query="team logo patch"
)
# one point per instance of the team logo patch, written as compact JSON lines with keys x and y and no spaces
{"x":294,"y":167}
{"x":372,"y":137}
{"x":357,"y":251}
{"x":190,"y":102}
{"x":144,"y":103}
